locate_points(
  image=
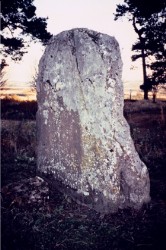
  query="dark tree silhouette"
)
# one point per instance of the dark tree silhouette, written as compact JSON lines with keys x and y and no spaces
{"x":19,"y":26}
{"x":156,"y":39}
{"x":147,"y":18}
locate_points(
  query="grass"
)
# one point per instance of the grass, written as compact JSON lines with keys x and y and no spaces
{"x":15,"y":110}
{"x":60,"y":223}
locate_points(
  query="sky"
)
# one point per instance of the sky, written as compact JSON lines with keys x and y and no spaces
{"x":92,"y":14}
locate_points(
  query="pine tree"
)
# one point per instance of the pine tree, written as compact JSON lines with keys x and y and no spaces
{"x":19,"y":26}
{"x":148,"y":22}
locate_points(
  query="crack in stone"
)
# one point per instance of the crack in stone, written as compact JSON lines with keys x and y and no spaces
{"x":79,"y":73}
{"x":106,"y":170}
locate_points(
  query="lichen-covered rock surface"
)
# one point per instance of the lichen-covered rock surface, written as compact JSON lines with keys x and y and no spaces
{"x":84,"y":142}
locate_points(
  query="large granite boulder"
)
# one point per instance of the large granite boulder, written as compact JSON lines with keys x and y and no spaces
{"x":84,"y":142}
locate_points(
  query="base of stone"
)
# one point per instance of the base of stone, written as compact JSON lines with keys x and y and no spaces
{"x":95,"y":202}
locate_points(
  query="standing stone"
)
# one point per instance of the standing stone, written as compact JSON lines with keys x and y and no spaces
{"x":84,"y":142}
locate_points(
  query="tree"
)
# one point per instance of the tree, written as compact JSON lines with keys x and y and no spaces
{"x":3,"y":64}
{"x":156,"y":34}
{"x":148,"y":22}
{"x":19,"y":26}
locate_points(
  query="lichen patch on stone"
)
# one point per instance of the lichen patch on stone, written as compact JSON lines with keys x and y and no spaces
{"x":83,"y":139}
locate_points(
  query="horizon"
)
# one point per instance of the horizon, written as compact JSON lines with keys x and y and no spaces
{"x":95,"y":15}
{"x":26,"y":92}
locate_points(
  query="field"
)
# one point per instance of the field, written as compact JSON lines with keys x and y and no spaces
{"x":51,"y":220}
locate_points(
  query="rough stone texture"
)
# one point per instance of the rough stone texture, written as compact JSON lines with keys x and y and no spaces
{"x":84,"y":142}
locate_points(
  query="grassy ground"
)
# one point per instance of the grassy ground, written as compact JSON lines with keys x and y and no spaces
{"x":58,"y":222}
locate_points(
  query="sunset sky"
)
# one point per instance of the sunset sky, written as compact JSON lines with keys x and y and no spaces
{"x":68,"y":14}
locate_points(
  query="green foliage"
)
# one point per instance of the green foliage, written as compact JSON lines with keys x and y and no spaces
{"x":19,"y":23}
